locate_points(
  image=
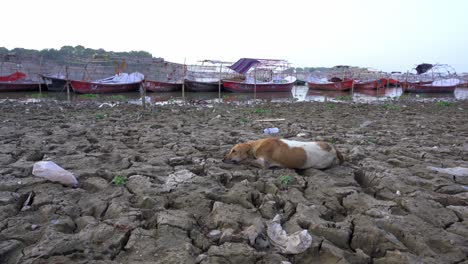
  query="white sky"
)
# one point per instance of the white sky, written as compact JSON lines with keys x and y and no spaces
{"x":382,"y":34}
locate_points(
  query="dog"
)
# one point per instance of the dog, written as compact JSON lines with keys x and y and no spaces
{"x":282,"y":153}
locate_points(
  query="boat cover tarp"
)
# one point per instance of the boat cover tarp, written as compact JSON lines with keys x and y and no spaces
{"x":243,"y":65}
{"x":12,"y":77}
{"x":424,"y":67}
{"x":445,"y":82}
{"x":123,"y":78}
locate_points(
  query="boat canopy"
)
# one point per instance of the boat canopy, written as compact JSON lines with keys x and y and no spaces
{"x":243,"y":65}
{"x":423,"y":67}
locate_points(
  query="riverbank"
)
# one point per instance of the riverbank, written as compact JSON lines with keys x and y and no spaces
{"x":152,"y":187}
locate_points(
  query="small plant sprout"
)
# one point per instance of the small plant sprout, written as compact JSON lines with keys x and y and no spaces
{"x":285,"y":180}
{"x":344,"y":98}
{"x":101,"y":116}
{"x":118,"y":180}
{"x":243,"y":120}
{"x":443,"y":103}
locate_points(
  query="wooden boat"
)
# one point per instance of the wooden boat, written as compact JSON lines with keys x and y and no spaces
{"x":440,"y":86}
{"x":330,"y":86}
{"x":21,"y":86}
{"x":16,"y":82}
{"x":243,"y":87}
{"x":369,"y":85}
{"x":202,"y":85}
{"x":116,"y":84}
{"x":159,"y":86}
{"x":54,"y":83}
{"x":259,"y":75}
{"x":99,"y":88}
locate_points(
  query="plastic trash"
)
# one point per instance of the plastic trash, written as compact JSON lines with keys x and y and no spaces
{"x":53,"y":172}
{"x":456,"y":171}
{"x":295,"y":243}
{"x":271,"y":130}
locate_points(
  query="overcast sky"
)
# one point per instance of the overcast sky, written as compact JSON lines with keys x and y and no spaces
{"x":385,"y":35}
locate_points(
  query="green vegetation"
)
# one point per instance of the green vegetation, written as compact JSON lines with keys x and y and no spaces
{"x":444,"y":103}
{"x":391,"y":107}
{"x":71,"y":54}
{"x":285,"y":180}
{"x":261,"y":111}
{"x":330,"y":105}
{"x":118,"y":97}
{"x":118,"y":180}
{"x":101,"y":116}
{"x":344,"y":98}
{"x":243,"y":120}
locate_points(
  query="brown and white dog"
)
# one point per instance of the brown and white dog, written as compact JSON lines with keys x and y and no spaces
{"x":275,"y":152}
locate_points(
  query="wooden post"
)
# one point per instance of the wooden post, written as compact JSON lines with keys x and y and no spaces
{"x":255,"y":83}
{"x":143,"y":94}
{"x":219,"y":84}
{"x":40,"y":68}
{"x":184,"y":73}
{"x":67,"y":84}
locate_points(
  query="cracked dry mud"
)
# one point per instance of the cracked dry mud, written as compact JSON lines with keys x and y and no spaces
{"x":181,"y":204}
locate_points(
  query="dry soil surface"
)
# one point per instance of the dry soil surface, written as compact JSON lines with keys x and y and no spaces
{"x":180,"y":204}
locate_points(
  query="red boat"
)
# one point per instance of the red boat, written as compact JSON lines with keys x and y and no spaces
{"x":331,"y":86}
{"x":406,"y":84}
{"x":99,"y":88}
{"x":429,"y":87}
{"x":15,"y":82}
{"x":118,"y":83}
{"x":370,"y":85}
{"x":157,"y":86}
{"x":243,"y":87}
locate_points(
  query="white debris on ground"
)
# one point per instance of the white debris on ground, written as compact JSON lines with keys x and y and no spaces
{"x":295,"y":243}
{"x":51,"y":171}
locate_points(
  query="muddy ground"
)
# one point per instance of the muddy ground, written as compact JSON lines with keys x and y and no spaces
{"x":181,"y":204}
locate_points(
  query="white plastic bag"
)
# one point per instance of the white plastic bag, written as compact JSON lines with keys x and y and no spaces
{"x":293,"y":244}
{"x":53,"y":172}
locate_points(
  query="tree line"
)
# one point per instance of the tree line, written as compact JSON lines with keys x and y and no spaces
{"x":69,"y":54}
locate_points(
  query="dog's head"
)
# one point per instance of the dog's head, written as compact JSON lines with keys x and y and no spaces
{"x":239,"y":153}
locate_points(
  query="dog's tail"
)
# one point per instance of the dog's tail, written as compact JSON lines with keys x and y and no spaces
{"x":339,"y":156}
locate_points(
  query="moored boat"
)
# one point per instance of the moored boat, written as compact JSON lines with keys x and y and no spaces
{"x":281,"y":86}
{"x":259,"y":75}
{"x":122,"y":82}
{"x":55,"y":83}
{"x":369,"y":85}
{"x":439,"y":86}
{"x":202,"y":85}
{"x":324,"y":84}
{"x":160,"y":86}
{"x":17,"y":82}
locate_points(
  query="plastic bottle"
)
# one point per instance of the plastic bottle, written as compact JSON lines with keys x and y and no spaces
{"x":271,"y":130}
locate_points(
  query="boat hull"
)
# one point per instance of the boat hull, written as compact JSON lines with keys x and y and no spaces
{"x":54,"y":84}
{"x":335,"y":86}
{"x":99,"y":88}
{"x":371,"y":85}
{"x":240,"y":87}
{"x":419,"y":88}
{"x":155,"y":86}
{"x":194,"y":86}
{"x":20,"y":86}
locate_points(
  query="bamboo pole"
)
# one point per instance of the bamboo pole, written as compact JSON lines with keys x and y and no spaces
{"x":40,"y":68}
{"x":184,"y":73}
{"x":255,"y":83}
{"x":219,"y":83}
{"x":67,"y":84}
{"x":143,"y":94}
